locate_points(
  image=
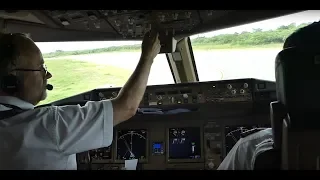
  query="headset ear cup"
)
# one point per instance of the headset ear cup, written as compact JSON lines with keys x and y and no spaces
{"x":9,"y":84}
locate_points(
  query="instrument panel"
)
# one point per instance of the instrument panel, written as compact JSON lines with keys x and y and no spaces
{"x":221,"y":112}
{"x":189,"y":147}
{"x":241,"y":90}
{"x":102,"y":154}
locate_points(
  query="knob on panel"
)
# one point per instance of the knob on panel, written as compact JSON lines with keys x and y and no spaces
{"x":211,"y":165}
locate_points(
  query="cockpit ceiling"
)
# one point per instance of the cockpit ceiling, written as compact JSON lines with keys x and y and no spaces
{"x":91,"y":25}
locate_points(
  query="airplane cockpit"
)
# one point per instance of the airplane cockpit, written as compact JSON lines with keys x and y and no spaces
{"x":185,"y":125}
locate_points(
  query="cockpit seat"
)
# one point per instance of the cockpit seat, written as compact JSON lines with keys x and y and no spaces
{"x":271,"y":159}
{"x":295,"y":128}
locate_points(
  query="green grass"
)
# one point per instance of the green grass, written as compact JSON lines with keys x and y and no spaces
{"x":126,"y":48}
{"x":71,"y":77}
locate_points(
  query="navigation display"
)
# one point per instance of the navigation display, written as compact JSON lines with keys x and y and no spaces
{"x":132,"y":144}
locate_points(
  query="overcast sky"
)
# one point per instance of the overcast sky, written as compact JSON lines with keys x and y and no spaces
{"x":298,"y":18}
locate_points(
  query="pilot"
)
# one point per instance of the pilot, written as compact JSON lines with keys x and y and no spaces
{"x":49,"y":137}
{"x":242,"y":155}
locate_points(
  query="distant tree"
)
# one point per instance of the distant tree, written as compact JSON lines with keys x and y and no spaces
{"x":257,"y":30}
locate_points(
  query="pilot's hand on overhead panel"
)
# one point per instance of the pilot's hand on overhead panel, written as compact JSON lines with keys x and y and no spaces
{"x":150,"y":45}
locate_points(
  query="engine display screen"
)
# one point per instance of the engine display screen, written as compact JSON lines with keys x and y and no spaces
{"x":184,"y":143}
{"x":132,"y":144}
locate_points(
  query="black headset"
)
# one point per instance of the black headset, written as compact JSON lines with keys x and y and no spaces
{"x":8,"y":83}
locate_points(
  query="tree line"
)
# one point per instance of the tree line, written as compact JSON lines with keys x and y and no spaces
{"x":256,"y":37}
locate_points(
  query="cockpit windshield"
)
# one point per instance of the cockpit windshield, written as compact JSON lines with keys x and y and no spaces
{"x":246,"y":51}
{"x":95,"y":65}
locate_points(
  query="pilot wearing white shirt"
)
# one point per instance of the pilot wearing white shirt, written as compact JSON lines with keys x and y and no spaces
{"x":49,"y":137}
{"x":243,"y":154}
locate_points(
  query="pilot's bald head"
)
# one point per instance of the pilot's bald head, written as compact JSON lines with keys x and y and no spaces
{"x":20,"y":56}
{"x":13,"y":49}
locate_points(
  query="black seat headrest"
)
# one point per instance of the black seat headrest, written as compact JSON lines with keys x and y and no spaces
{"x":298,"y":81}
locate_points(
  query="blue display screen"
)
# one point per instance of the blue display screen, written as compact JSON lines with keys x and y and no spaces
{"x":157,"y":148}
{"x":156,"y":145}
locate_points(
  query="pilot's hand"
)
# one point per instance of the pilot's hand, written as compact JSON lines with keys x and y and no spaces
{"x":150,"y":45}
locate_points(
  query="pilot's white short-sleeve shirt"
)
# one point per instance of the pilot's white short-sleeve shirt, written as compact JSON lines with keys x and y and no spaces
{"x":243,"y":153}
{"x":49,"y":137}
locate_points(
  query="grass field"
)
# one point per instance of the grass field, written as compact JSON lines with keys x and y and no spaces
{"x":72,"y":77}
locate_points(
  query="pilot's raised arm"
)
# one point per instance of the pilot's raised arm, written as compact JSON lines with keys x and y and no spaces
{"x":243,"y":153}
{"x":82,"y":128}
{"x":49,"y":137}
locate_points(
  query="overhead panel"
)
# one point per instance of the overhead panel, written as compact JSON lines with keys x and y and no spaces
{"x":86,"y":20}
{"x":130,"y":23}
{"x":127,"y":24}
